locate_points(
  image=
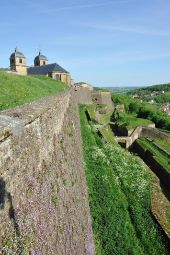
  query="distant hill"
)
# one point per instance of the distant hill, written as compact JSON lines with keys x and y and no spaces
{"x":160,"y":87}
{"x":156,"y":94}
{"x":17,"y":90}
{"x":118,"y":89}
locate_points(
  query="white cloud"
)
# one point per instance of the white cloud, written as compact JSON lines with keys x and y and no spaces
{"x":126,"y":29}
{"x":83,"y":6}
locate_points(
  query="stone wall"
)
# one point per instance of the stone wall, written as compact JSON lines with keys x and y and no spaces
{"x":99,"y":97}
{"x":138,"y":132}
{"x":154,"y":133}
{"x":43,"y":196}
{"x":83,"y":95}
{"x":64,"y":77}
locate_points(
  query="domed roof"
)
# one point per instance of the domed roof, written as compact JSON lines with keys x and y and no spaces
{"x":17,"y":54}
{"x":40,"y":57}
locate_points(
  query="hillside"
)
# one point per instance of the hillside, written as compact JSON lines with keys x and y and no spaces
{"x":117,"y":90}
{"x":17,"y":90}
{"x":155,"y":94}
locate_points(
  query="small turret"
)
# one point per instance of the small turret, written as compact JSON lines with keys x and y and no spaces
{"x":18,"y":62}
{"x":40,"y":60}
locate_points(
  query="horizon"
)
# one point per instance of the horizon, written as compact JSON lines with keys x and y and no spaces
{"x":127,"y":47}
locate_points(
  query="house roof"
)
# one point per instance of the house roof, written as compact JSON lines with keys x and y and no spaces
{"x":45,"y":69}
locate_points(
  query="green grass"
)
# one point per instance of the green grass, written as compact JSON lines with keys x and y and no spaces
{"x":107,"y":134}
{"x":17,"y":90}
{"x":91,"y":110}
{"x":105,"y":118}
{"x":161,"y":157}
{"x":166,"y":132}
{"x":119,"y":196}
{"x":130,"y":121}
{"x":163,"y":144}
{"x":54,"y":199}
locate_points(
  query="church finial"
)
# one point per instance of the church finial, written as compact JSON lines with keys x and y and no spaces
{"x":16,"y":49}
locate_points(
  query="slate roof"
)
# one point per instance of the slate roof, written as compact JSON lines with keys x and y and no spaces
{"x":45,"y":69}
{"x":40,"y":57}
{"x":17,"y":54}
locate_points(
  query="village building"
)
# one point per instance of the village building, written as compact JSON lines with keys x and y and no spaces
{"x":18,"y":65}
{"x":165,"y":108}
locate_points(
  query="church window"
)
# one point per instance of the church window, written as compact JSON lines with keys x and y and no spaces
{"x":43,"y":62}
{"x":20,"y":61}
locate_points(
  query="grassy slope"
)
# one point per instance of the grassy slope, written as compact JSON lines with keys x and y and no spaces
{"x":131,"y":121}
{"x":17,"y":90}
{"x":162,"y":158}
{"x":119,"y":194}
{"x":163,"y":144}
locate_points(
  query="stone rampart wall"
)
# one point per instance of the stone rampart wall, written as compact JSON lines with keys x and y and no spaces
{"x":143,"y":132}
{"x":43,"y":196}
{"x":99,"y":97}
{"x":154,"y":133}
{"x":83,"y":95}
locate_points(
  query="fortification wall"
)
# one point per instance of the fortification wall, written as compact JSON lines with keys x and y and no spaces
{"x":154,"y":133}
{"x":99,"y":97}
{"x":83,"y":95}
{"x":43,"y":196}
{"x":138,"y":132}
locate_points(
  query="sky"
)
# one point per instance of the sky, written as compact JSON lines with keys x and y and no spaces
{"x":105,"y":43}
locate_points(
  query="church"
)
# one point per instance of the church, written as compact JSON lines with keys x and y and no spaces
{"x":18,"y":64}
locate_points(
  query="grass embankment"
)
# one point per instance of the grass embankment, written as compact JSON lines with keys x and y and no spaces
{"x":130,"y":121}
{"x":17,"y":90}
{"x":107,"y":134}
{"x":160,"y":155}
{"x":163,"y":144}
{"x":119,"y":195}
{"x":166,"y":132}
{"x":91,"y":109}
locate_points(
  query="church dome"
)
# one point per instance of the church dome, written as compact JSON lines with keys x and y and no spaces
{"x":40,"y":60}
{"x":40,"y":57}
{"x":17,"y":54}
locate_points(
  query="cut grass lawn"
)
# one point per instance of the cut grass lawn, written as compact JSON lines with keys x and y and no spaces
{"x":119,"y":197}
{"x":17,"y":90}
{"x":130,"y":121}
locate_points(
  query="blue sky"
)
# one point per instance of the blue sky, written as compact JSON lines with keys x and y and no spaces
{"x":105,"y":43}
